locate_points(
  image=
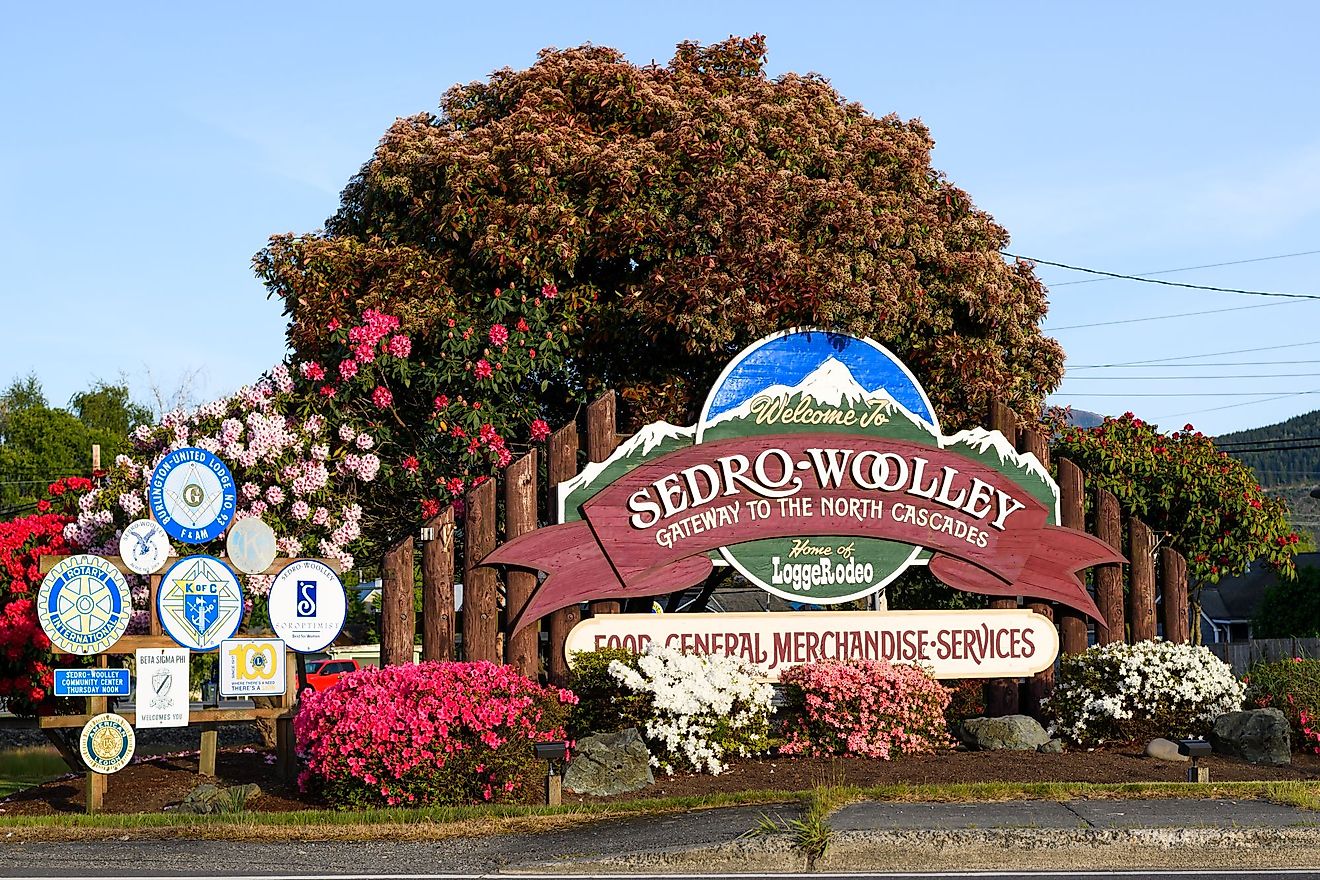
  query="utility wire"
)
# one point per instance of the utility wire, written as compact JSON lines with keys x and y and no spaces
{"x":1163,"y":282}
{"x":1170,"y":393}
{"x":1187,"y":378}
{"x":1168,"y":317}
{"x":1196,"y":366}
{"x":1235,"y":405}
{"x":1144,"y":275}
{"x":1188,"y":357}
{"x":1233,"y":443}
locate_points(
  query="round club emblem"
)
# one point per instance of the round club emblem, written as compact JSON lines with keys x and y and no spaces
{"x":144,"y":546}
{"x":84,"y":605}
{"x":307,"y":605}
{"x":107,"y":743}
{"x":816,"y":381}
{"x":200,"y":602}
{"x":192,"y":495}
{"x":250,"y":545}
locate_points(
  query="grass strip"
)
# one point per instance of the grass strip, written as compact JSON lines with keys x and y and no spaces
{"x":463,"y":821}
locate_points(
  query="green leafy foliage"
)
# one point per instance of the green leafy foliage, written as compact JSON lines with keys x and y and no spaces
{"x":1291,"y":607}
{"x":1293,"y":687}
{"x":687,"y":209}
{"x":1207,"y":505}
{"x":603,"y":706}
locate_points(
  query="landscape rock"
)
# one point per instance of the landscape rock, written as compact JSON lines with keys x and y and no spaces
{"x":1011,"y":732}
{"x":609,"y":763}
{"x":208,"y":798}
{"x":1260,"y":736}
{"x":1165,"y":750}
{"x":1054,"y":746}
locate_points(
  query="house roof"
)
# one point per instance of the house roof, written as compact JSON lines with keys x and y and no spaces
{"x":1238,"y":598}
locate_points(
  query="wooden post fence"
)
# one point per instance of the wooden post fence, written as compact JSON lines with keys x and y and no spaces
{"x":1173,"y":590}
{"x":438,"y":588}
{"x":481,"y":600}
{"x":563,"y":451}
{"x":520,"y":518}
{"x":1040,"y":685}
{"x":1001,"y":694}
{"x":1141,"y":580}
{"x":1109,"y":577}
{"x":1072,"y":515}
{"x":602,"y":438}
{"x":398,"y":619}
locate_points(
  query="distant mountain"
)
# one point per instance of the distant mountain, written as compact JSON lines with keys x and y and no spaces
{"x":1080,"y":418}
{"x":1281,"y":467}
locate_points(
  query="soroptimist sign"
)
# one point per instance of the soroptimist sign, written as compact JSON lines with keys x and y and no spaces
{"x":953,"y":644}
{"x":819,"y":472}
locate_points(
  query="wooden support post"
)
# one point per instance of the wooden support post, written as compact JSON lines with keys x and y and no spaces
{"x":1141,"y":577}
{"x":1001,"y":694}
{"x":206,"y":758}
{"x":1173,"y":588}
{"x":438,"y":588}
{"x":1109,"y":577}
{"x":563,"y":451}
{"x":602,"y":438}
{"x":153,"y":623}
{"x":521,"y":648}
{"x":1040,"y":685}
{"x":95,"y":784}
{"x":481,"y":608}
{"x":398,"y":618}
{"x":286,"y":760}
{"x":1072,"y":515}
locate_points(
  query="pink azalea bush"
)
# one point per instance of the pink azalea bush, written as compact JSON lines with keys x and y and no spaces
{"x":429,"y":733}
{"x":863,"y":707}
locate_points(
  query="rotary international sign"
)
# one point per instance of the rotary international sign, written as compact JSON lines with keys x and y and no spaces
{"x":819,"y":472}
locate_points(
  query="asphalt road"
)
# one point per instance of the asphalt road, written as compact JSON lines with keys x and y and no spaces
{"x":1286,"y":874}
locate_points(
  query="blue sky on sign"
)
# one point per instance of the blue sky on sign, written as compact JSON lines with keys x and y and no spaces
{"x":150,"y":150}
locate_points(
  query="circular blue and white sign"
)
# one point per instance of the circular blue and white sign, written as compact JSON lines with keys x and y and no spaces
{"x":307,"y":605}
{"x":250,"y":545}
{"x":200,"y":602}
{"x":192,"y":495}
{"x":107,"y":743}
{"x":144,"y":546}
{"x":84,"y":605}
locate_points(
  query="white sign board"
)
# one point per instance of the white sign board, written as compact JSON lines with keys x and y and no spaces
{"x":307,"y":605}
{"x":162,"y":687}
{"x":992,"y":643}
{"x":252,"y":667}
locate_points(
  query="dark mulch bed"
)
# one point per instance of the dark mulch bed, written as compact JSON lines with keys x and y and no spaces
{"x":154,"y":785}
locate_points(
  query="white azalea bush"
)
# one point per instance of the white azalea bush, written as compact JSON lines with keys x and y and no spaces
{"x":702,"y":708}
{"x":1120,"y":693}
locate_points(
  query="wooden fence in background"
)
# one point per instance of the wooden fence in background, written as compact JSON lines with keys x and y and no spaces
{"x":1147,"y":596}
{"x":1241,"y":655}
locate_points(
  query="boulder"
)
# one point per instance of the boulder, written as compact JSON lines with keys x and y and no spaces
{"x":609,"y":763}
{"x":209,"y":798}
{"x":1054,"y":746}
{"x":1165,"y":750}
{"x":1011,"y":732}
{"x":1260,"y":736}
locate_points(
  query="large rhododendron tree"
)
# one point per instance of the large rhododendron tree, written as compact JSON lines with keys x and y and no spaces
{"x":26,"y":661}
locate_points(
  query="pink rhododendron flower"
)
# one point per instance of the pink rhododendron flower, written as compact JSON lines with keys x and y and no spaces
{"x":482,"y":369}
{"x":499,"y":334}
{"x":400,"y":346}
{"x":381,"y":396}
{"x":348,"y":368}
{"x":540,"y":430}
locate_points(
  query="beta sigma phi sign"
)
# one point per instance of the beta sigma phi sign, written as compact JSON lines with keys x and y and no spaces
{"x":817,"y":470}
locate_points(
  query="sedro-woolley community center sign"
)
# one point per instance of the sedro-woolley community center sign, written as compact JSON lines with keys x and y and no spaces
{"x":819,"y":472}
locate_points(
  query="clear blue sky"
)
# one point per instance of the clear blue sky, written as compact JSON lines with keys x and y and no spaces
{"x":149,"y":150}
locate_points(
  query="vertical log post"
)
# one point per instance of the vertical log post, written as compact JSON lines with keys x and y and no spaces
{"x":481,"y":602}
{"x":602,"y":437}
{"x":563,"y":451}
{"x":1040,"y":685}
{"x":1173,"y":587}
{"x":94,"y":785}
{"x":1109,"y":577}
{"x":521,"y":648}
{"x":286,"y":761}
{"x":1141,"y":577}
{"x":438,"y":588}
{"x":210,"y":741}
{"x":1072,"y":515}
{"x":398,"y":619}
{"x":1001,"y":694}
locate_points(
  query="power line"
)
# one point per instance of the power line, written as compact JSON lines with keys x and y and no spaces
{"x":1142,"y":275}
{"x":1235,"y":405}
{"x":1163,"y":282}
{"x":1259,"y":442}
{"x":1170,"y":393}
{"x":1192,"y":366}
{"x":1187,"y":378}
{"x":1168,"y":317}
{"x":1188,"y":357}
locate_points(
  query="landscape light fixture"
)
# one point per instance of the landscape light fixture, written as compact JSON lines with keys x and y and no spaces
{"x":1196,"y":748}
{"x":552,"y":753}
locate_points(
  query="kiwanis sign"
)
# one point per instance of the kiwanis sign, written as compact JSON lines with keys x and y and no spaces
{"x":819,"y":472}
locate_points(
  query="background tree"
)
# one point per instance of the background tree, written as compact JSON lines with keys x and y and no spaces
{"x":1203,"y":503}
{"x":1291,"y":607}
{"x":690,"y":209}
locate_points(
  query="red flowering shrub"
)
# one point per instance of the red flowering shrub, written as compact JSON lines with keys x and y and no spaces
{"x":25,"y":657}
{"x":429,"y":733}
{"x":863,"y":707}
{"x":1293,"y":687}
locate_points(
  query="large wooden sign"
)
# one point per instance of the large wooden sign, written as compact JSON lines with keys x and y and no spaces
{"x":819,"y":472}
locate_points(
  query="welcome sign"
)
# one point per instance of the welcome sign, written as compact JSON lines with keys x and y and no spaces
{"x":819,"y":472}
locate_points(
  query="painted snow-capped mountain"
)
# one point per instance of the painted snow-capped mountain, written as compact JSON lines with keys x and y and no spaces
{"x":992,"y":448}
{"x":830,"y":384}
{"x":652,"y":440}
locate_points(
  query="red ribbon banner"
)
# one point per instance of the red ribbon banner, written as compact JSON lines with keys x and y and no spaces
{"x":649,"y":532}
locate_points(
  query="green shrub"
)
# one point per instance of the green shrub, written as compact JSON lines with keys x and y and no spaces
{"x":1121,"y":693}
{"x":1291,"y":607}
{"x":1292,"y":687}
{"x":603,"y":706}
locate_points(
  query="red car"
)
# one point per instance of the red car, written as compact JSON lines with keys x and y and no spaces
{"x":321,"y":674}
